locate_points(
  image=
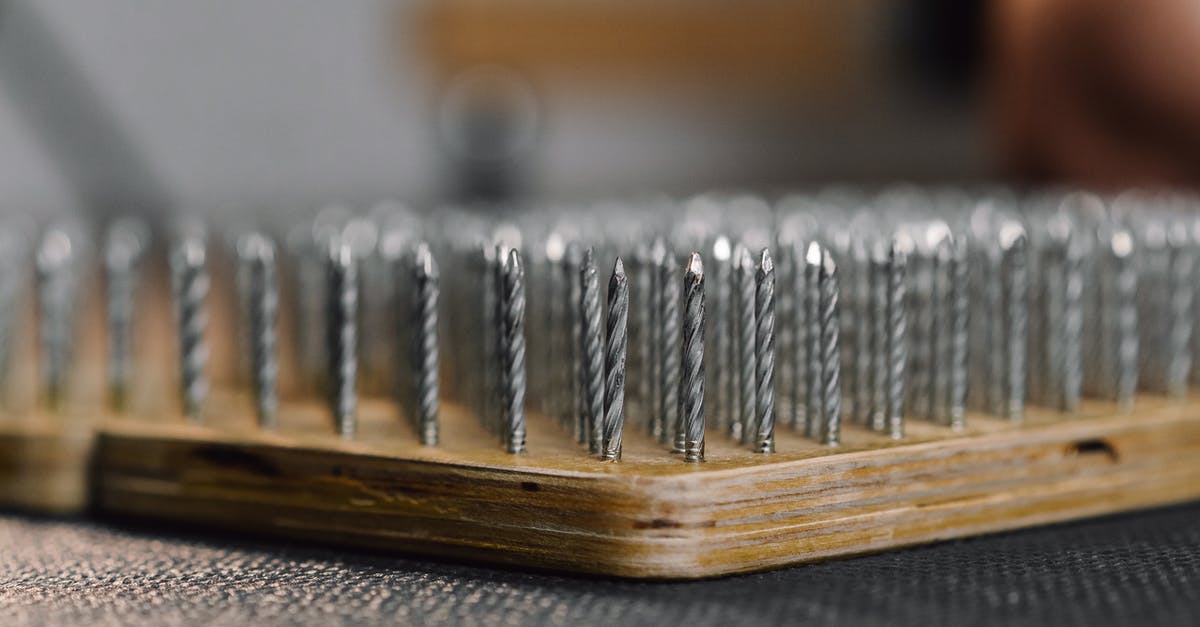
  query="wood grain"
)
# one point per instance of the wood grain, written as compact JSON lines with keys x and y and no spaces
{"x":782,"y":47}
{"x":650,"y":515}
{"x":44,"y":465}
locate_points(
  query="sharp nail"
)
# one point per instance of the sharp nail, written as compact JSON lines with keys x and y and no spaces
{"x":764,"y":358}
{"x":691,"y":384}
{"x":614,"y":363}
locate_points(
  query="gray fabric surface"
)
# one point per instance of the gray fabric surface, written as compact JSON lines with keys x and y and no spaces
{"x":1133,"y":569}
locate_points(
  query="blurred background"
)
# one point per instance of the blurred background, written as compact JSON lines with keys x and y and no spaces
{"x":226,"y":106}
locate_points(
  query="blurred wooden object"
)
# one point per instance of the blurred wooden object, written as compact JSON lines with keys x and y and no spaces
{"x":44,"y":465}
{"x":766,"y":45}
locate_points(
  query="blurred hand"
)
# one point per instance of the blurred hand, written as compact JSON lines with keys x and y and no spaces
{"x":1098,"y":92}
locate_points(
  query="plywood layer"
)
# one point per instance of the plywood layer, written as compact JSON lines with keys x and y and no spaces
{"x":649,"y":515}
{"x":44,"y":465}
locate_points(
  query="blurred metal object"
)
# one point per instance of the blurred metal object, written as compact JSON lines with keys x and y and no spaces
{"x":1118,"y":313}
{"x":861,"y":329}
{"x":1072,"y":329}
{"x":959,"y":342}
{"x":491,"y":336}
{"x":897,"y":341}
{"x":342,"y":303}
{"x":668,"y":350}
{"x":575,"y":275}
{"x":191,"y":284}
{"x":746,"y":424}
{"x":57,"y":271}
{"x":1181,"y":285}
{"x":125,"y":245}
{"x":723,"y":383}
{"x":654,"y":411}
{"x":1014,"y":263}
{"x":256,"y":252}
{"x":14,"y":269}
{"x":936,"y":360}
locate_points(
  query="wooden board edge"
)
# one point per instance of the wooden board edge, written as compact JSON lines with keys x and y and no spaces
{"x":45,"y":470}
{"x":661,"y":529}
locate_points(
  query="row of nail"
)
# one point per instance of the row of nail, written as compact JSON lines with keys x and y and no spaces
{"x":722,"y":315}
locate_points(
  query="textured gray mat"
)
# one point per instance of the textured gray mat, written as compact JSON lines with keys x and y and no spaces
{"x":1132,"y":569}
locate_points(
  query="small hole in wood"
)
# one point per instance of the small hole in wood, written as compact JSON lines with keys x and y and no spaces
{"x":1094,"y":447}
{"x":530,"y":486}
{"x":231,"y":457}
{"x":657,"y":523}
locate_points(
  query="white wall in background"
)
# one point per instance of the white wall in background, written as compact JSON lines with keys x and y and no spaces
{"x":289,"y":103}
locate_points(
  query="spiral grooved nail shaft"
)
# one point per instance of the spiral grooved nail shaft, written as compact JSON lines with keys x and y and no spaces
{"x":423,"y":328}
{"x":491,"y":398}
{"x":342,"y":336}
{"x":308,"y":300}
{"x":577,"y":415}
{"x":785,"y":334}
{"x":723,"y":344}
{"x":691,"y":385}
{"x":897,"y":342}
{"x":593,"y":354}
{"x":996,"y":347}
{"x":191,"y":291}
{"x":11,"y":270}
{"x":614,"y":362}
{"x":764,"y":340}
{"x":512,"y":308}
{"x":549,"y":296}
{"x":1117,"y":313}
{"x":56,"y":260}
{"x":1179,"y":308}
{"x":1072,"y":329}
{"x":669,"y":352}
{"x":831,"y":387}
{"x":122,"y":255}
{"x":813,"y":377}
{"x":861,"y":325}
{"x":402,"y":303}
{"x":1044,"y":370}
{"x":959,"y":324}
{"x":655,"y":424}
{"x":1015,"y":264}
{"x":501,"y":371}
{"x":920,"y":327}
{"x":747,"y":368}
{"x":1125,"y":284}
{"x":258,"y":257}
{"x":799,"y":323}
{"x":730,"y":323}
{"x":939,"y":379}
{"x":878,"y":278}
{"x":640,"y":335}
